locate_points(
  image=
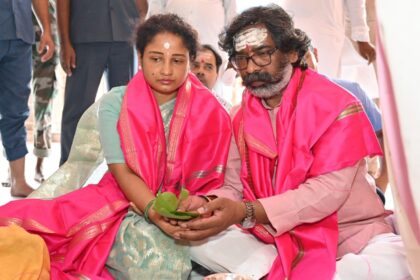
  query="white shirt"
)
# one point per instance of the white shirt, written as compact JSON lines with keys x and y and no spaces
{"x":325,"y":23}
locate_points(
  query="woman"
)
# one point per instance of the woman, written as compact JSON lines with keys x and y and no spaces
{"x":173,"y":133}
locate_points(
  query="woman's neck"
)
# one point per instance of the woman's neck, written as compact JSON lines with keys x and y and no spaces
{"x":163,"y":98}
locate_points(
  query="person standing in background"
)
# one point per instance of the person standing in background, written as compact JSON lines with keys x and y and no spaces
{"x":324,"y":22}
{"x":43,"y":87}
{"x":95,"y":36}
{"x":206,"y":67}
{"x":16,"y":38}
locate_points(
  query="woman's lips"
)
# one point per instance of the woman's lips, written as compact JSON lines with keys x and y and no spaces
{"x":165,"y":81}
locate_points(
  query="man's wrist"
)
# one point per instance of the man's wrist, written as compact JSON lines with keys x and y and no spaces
{"x":242,"y":212}
{"x":249,"y":219}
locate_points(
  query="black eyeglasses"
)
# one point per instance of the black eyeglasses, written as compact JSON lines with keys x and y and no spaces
{"x":260,"y":58}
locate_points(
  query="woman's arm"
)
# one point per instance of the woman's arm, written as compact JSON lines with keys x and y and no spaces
{"x":139,"y":193}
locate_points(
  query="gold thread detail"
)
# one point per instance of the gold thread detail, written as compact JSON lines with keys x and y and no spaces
{"x":97,"y":216}
{"x":351,"y":110}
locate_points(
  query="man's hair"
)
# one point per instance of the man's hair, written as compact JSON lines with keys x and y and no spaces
{"x":278,"y":23}
{"x":217,"y":56}
{"x":166,"y":23}
{"x":308,"y":47}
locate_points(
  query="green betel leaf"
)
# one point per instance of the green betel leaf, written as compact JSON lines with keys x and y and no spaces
{"x":183,"y":194}
{"x":167,"y":201}
{"x":166,"y":205}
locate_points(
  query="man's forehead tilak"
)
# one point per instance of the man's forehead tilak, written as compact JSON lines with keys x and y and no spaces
{"x":204,"y":57}
{"x":250,"y":37}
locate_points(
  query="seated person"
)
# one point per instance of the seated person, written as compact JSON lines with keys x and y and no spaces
{"x":158,"y":134}
{"x":296,"y":176}
{"x":206,"y":67}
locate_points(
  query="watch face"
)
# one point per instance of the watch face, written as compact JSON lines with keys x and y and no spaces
{"x":248,"y":223}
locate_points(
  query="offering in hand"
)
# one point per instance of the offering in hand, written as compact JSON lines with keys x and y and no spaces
{"x":166,"y":204}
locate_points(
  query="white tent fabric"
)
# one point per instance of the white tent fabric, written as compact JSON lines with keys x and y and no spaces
{"x":398,"y":58}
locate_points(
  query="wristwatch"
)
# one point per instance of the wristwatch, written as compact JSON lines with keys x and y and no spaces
{"x":249,"y":221}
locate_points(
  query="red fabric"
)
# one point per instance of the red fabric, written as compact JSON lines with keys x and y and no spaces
{"x":79,"y":228}
{"x":310,"y":141}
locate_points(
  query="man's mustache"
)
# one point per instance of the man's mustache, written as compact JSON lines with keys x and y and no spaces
{"x":258,"y":77}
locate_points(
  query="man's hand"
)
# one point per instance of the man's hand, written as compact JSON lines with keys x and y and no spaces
{"x":216,"y":216}
{"x":67,"y":58}
{"x":367,"y":51}
{"x":192,"y":203}
{"x":46,"y":46}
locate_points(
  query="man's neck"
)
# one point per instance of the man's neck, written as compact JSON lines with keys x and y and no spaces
{"x":273,"y":101}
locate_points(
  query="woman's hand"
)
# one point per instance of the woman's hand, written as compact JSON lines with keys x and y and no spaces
{"x":166,"y":225}
{"x":163,"y":223}
{"x":216,"y":216}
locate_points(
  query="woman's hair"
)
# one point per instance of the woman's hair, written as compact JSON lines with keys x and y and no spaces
{"x":166,"y":23}
{"x":278,"y":23}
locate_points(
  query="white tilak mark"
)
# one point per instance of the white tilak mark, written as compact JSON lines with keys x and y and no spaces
{"x":253,"y":37}
{"x":166,"y":45}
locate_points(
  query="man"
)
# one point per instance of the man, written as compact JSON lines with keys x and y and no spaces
{"x":326,"y":26}
{"x":297,"y":162}
{"x":44,"y":90}
{"x":95,"y":36}
{"x":206,"y":67}
{"x":16,"y":38}
{"x":333,"y":26}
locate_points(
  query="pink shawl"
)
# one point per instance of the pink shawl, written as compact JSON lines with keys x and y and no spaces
{"x":79,"y":227}
{"x":320,"y":128}
{"x":198,"y":139}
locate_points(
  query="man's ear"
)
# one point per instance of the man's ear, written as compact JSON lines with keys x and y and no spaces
{"x":293,"y":57}
{"x":316,"y":54}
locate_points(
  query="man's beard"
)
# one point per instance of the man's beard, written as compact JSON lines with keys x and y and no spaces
{"x":273,"y":84}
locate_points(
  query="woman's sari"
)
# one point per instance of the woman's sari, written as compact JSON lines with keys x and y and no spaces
{"x":79,"y":228}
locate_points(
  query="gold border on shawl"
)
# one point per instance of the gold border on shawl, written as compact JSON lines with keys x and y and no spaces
{"x":351,"y":110}
{"x":241,"y":140}
{"x":57,"y":258}
{"x":130,"y":148}
{"x":97,"y":216}
{"x":89,"y":233}
{"x":204,"y":173}
{"x":175,"y":130}
{"x":262,"y":231}
{"x":26,"y":223}
{"x":301,"y":249}
{"x":81,"y":276}
{"x":256,"y":144}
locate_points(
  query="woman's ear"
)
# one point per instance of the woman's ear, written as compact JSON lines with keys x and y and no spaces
{"x":139,"y":58}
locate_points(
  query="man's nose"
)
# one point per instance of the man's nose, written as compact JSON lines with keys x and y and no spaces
{"x":252,"y":67}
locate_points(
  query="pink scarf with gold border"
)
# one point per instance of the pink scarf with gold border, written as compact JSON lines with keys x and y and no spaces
{"x":320,"y":129}
{"x":79,"y":227}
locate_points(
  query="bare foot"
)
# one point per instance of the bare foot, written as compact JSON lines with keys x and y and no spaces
{"x":21,"y":190}
{"x":39,"y":177}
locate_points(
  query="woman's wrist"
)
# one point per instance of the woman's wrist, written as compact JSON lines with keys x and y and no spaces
{"x":148,"y":210}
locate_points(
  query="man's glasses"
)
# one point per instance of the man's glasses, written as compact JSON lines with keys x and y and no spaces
{"x":260,"y":58}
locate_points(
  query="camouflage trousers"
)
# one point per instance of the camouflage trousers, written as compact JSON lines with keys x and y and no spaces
{"x":44,"y":89}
